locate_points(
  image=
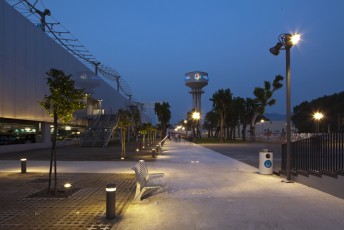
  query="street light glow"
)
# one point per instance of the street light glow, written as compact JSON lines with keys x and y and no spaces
{"x":295,"y":38}
{"x":196,"y":116}
{"x":318,"y":116}
{"x":286,"y":41}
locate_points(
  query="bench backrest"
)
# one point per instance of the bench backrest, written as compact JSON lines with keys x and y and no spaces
{"x":141,"y":172}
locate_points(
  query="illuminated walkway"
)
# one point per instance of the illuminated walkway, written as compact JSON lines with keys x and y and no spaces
{"x":207,"y":190}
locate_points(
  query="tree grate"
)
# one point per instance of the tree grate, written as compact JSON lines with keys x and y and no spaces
{"x":84,"y":209}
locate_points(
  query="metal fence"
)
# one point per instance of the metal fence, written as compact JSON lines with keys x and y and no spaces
{"x":323,"y":153}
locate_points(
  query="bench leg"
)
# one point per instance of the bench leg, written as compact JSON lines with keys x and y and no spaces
{"x":138,"y":194}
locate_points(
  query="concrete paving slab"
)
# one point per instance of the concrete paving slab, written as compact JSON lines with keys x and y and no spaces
{"x":207,"y":190}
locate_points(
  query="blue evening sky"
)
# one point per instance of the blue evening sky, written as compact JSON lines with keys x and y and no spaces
{"x":153,"y":43}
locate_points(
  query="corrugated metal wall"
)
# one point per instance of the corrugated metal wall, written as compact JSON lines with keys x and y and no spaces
{"x":26,"y":54}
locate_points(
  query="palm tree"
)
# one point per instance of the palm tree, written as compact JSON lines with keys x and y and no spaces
{"x":221,"y":102}
{"x":162,"y":110}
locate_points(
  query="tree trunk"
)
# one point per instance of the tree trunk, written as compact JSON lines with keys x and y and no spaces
{"x":143,"y":140}
{"x":244,"y":132}
{"x":233,"y":133}
{"x":253,"y":128}
{"x":217,"y":132}
{"x":222,"y":124}
{"x":123,"y":143}
{"x":53,"y":157}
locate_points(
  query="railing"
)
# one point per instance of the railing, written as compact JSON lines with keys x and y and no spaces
{"x":320,"y":154}
{"x":99,"y":131}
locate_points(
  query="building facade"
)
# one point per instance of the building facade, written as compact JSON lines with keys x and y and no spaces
{"x":26,"y":55}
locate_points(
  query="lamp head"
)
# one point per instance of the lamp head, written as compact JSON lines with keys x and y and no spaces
{"x":276,"y":49}
{"x":291,"y":39}
{"x":288,"y":40}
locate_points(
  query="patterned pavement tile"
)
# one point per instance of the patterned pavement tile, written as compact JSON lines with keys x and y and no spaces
{"x":83,"y":209}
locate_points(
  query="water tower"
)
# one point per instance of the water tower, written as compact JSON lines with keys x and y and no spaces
{"x":196,"y":80}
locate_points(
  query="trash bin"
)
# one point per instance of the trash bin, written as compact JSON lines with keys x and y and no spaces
{"x":265,"y":162}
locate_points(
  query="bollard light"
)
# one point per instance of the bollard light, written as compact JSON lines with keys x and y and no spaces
{"x":67,"y":185}
{"x":153,"y":153}
{"x":110,"y":201}
{"x":23,"y":165}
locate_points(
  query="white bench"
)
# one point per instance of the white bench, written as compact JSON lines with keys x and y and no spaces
{"x":145,"y":180}
{"x":161,"y":143}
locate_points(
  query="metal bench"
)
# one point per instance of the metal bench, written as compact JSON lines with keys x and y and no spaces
{"x":160,"y":145}
{"x":145,"y":180}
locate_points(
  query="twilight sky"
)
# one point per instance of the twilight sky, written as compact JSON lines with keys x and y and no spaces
{"x":153,"y":43}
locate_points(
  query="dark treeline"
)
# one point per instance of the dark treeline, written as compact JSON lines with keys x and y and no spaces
{"x":332,"y":107}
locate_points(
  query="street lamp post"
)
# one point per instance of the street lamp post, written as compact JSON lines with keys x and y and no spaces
{"x":318,"y":116}
{"x":196,"y":116}
{"x":286,"y":41}
{"x":262,"y":121}
{"x":186,"y":128}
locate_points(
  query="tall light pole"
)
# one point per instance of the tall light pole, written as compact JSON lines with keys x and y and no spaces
{"x":196,"y":116}
{"x":262,"y":121}
{"x":317,"y":117}
{"x":286,"y":41}
{"x":186,"y":128}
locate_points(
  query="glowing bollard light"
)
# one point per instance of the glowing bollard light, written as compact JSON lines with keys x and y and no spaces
{"x":110,"y":201}
{"x":67,"y":185}
{"x":23,"y":165}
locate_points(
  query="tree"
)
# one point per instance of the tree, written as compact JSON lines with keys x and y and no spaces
{"x":221,"y":103}
{"x":193,"y":123}
{"x":124,"y":122}
{"x":162,"y":110}
{"x":136,"y":119}
{"x":211,"y":121}
{"x":250,"y":108}
{"x":264,"y":99}
{"x":144,"y":129}
{"x":331,"y":106}
{"x":236,"y":116}
{"x":63,"y":101}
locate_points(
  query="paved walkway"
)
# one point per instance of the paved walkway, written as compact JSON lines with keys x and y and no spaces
{"x":207,"y":190}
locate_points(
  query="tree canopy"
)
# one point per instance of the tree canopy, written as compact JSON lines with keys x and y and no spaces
{"x":332,"y":107}
{"x":63,"y":101}
{"x":64,"y":98}
{"x":162,"y":110}
{"x":221,"y":103}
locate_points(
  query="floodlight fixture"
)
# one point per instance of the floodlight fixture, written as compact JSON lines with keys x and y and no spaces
{"x":285,"y":42}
